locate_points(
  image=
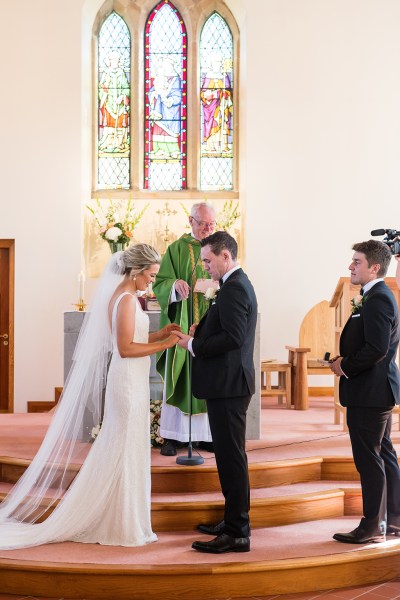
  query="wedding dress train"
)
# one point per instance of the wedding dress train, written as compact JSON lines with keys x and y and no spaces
{"x":109,"y":501}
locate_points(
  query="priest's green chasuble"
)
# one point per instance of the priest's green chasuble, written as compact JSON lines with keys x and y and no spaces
{"x":173,"y":365}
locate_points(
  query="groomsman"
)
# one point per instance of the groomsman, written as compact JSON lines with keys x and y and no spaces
{"x":369,"y":387}
{"x":223,"y":373}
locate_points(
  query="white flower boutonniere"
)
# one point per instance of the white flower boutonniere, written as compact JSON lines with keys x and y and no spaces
{"x":210,"y":293}
{"x":357,"y":302}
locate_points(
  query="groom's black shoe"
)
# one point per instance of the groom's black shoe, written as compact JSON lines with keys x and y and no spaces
{"x":223,"y":543}
{"x":212,"y":529}
{"x":361,"y":535}
{"x":393,"y":530}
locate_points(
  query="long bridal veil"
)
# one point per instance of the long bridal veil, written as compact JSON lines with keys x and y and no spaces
{"x":68,"y":437}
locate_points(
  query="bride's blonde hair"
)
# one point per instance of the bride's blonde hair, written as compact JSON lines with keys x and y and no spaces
{"x":138,"y":258}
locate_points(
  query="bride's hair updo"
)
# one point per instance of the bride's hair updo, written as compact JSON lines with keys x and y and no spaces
{"x":138,"y":258}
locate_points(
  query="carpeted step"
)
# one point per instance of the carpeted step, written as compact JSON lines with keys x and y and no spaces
{"x":293,"y":558}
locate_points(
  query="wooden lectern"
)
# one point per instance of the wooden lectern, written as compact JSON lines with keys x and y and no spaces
{"x":341,"y":299}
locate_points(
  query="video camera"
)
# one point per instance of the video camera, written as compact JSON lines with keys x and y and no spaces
{"x":391,"y":239}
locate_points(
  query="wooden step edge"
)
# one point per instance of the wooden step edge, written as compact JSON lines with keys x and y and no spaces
{"x":276,"y":464}
{"x":237,"y":579}
{"x":264,"y":512}
{"x":339,"y":468}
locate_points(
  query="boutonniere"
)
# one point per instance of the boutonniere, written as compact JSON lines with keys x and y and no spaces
{"x":357,"y":302}
{"x":211,"y":294}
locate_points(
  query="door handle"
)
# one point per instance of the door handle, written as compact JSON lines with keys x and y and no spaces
{"x":4,"y":336}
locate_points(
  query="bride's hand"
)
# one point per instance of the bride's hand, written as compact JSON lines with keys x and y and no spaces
{"x":168,"y":329}
{"x":171,"y":341}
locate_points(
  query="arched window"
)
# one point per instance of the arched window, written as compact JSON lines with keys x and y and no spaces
{"x":216,"y":101}
{"x":164,"y":117}
{"x":114,"y":91}
{"x":165,"y":99}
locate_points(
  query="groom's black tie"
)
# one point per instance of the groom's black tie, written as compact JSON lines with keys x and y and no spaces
{"x":362,"y":292}
{"x":221,"y":281}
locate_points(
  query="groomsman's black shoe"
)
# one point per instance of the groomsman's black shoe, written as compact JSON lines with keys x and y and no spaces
{"x":212,"y":529}
{"x":168,"y":448}
{"x":223,"y":543}
{"x":393,"y":530}
{"x":359,"y":535}
{"x":208,"y":446}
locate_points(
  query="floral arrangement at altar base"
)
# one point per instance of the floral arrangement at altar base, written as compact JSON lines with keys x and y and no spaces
{"x":116,"y":221}
{"x":155,"y":414}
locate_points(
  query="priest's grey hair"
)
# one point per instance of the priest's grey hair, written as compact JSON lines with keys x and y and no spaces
{"x":195,"y":208}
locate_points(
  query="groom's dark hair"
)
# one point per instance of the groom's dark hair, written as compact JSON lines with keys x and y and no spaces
{"x":219,"y":241}
{"x":376,"y":252}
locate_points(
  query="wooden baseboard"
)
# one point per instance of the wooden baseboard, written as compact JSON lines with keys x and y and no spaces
{"x":38,"y":406}
{"x":320,"y":391}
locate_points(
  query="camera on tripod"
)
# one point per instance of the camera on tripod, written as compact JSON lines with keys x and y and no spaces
{"x":391,"y":239}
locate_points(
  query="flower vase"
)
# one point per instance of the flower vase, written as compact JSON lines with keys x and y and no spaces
{"x":116,"y":246}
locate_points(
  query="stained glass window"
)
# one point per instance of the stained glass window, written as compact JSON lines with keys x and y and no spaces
{"x":114,"y":104}
{"x":216,"y":105}
{"x":165,"y":99}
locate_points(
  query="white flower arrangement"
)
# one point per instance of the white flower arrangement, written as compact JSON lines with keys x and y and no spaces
{"x":112,"y":234}
{"x":95,"y":431}
{"x":115,"y":220}
{"x":155,"y":414}
{"x":357,"y":302}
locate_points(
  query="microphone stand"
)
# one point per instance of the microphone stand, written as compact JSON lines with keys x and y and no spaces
{"x":190,"y":460}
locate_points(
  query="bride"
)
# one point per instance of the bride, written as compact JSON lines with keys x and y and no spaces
{"x":108,"y":501}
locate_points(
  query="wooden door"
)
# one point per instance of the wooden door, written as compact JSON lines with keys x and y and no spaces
{"x":6,"y":326}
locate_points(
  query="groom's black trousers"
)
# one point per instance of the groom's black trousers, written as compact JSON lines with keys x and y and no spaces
{"x":227,"y":418}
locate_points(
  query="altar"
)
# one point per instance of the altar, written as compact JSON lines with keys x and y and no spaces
{"x":73,"y":321}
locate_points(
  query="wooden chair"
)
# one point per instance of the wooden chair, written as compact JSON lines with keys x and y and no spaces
{"x":316,"y":337}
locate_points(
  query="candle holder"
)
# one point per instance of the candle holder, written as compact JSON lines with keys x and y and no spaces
{"x":80,"y":306}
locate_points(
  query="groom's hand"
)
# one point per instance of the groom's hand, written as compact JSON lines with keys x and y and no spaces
{"x":183,"y":339}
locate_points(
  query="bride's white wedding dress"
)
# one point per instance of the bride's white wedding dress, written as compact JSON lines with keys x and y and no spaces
{"x":109,"y":501}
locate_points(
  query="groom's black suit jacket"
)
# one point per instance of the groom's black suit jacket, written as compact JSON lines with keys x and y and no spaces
{"x":368,"y":344}
{"x":223,"y":343}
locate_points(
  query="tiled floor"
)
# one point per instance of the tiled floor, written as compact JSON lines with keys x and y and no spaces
{"x":378,"y":591}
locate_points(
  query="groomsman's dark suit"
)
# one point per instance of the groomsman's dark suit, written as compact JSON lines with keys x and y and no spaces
{"x":223,"y":374}
{"x":369,"y":390}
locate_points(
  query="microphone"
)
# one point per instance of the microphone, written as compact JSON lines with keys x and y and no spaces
{"x":390,"y":233}
{"x":190,"y":460}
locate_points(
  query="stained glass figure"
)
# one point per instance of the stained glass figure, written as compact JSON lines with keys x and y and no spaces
{"x":216,"y":102}
{"x":114,"y":104}
{"x":165,"y":99}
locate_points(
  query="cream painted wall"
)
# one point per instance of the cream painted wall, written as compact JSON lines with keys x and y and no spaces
{"x":320,"y":155}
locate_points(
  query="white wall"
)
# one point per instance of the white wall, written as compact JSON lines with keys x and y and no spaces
{"x":320,"y":148}
{"x":323,"y":147}
{"x":40,"y":163}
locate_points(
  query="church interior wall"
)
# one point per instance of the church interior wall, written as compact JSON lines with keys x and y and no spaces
{"x":319,"y":158}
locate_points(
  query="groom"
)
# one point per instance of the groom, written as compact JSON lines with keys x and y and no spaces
{"x":223,"y":373}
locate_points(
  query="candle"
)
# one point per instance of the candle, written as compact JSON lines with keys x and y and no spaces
{"x":81,"y":280}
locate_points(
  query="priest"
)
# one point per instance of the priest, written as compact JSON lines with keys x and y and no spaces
{"x":180,"y":272}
